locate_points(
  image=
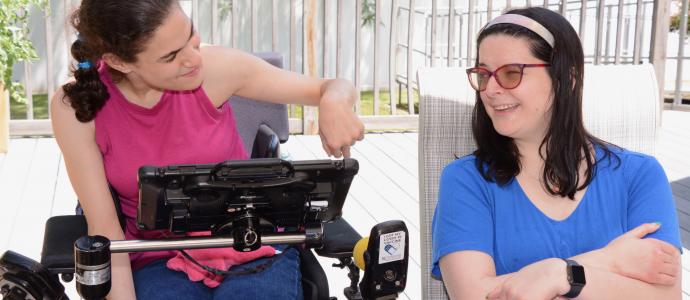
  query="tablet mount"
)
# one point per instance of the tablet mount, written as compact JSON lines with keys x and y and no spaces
{"x":245,"y":199}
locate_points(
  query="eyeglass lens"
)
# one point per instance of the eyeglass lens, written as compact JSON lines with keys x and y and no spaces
{"x":508,"y":77}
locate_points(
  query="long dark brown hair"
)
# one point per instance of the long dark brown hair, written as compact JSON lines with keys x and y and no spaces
{"x":118,"y":27}
{"x":567,"y":140}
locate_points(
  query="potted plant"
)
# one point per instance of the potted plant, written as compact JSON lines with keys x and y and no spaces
{"x":15,"y":46}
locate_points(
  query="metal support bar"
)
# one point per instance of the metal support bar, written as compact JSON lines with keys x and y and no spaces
{"x":127,"y":246}
{"x":677,"y":97}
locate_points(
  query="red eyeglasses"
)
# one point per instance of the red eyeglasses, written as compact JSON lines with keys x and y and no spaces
{"x":507,"y":76}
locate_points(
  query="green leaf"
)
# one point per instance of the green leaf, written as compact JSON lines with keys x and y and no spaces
{"x":15,"y":44}
{"x":675,"y":23}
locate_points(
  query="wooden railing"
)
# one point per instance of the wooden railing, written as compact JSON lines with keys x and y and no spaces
{"x":337,"y":44}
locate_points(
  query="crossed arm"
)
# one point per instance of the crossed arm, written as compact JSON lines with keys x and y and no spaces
{"x":629,"y":267}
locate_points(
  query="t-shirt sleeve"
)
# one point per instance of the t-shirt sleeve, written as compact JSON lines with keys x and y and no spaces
{"x":463,"y":219}
{"x":651,"y":199}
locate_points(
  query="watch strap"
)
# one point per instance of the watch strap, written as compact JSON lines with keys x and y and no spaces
{"x":575,"y":287}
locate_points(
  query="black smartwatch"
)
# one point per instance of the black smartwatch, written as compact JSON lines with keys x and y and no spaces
{"x":576,"y":278}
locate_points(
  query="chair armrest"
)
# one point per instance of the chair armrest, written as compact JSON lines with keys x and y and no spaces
{"x":339,"y":238}
{"x":314,"y":280}
{"x":58,"y":242}
{"x":266,"y":143}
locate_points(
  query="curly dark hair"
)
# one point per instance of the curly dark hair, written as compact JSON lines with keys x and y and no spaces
{"x":108,"y":26}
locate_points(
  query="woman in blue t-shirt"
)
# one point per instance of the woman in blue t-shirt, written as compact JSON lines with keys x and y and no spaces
{"x":542,"y":209}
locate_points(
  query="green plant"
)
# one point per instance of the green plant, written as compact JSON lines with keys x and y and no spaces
{"x":18,"y":109}
{"x":224,"y":8}
{"x":15,"y":45}
{"x":675,"y":23}
{"x":368,"y":12}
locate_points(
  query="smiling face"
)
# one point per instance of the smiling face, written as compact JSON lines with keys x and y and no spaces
{"x":524,"y":112}
{"x":171,"y":59}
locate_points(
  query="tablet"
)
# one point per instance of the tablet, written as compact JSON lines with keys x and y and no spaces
{"x":285,"y":195}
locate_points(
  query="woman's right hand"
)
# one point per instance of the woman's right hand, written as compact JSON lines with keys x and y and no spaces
{"x":649,"y":260}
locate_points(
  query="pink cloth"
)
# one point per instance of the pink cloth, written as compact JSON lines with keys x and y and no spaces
{"x":182,"y":128}
{"x":217,"y":258}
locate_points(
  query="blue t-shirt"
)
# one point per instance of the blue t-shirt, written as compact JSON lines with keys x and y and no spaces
{"x":475,"y":214}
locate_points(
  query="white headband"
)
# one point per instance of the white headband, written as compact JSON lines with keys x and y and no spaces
{"x":526,"y":22}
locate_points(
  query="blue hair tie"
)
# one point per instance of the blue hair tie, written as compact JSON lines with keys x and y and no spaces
{"x":84,"y":65}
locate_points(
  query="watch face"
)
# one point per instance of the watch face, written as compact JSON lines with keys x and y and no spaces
{"x":578,"y":273}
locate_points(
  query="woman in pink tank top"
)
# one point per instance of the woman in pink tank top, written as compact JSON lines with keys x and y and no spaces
{"x":147,"y":93}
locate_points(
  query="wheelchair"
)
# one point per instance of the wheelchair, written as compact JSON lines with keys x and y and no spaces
{"x":265,"y":127}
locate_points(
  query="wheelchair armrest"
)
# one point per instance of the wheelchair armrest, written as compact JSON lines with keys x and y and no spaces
{"x":314,"y":280}
{"x":266,"y":143}
{"x":58,"y":242}
{"x":339,"y":238}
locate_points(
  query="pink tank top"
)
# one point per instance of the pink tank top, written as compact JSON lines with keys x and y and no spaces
{"x":182,"y":128}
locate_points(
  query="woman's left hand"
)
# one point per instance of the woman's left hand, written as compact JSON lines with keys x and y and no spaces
{"x":543,"y":280}
{"x":339,"y":126}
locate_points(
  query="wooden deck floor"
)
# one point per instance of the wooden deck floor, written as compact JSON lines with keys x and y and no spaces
{"x":34,"y":186}
{"x":673,"y":152}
